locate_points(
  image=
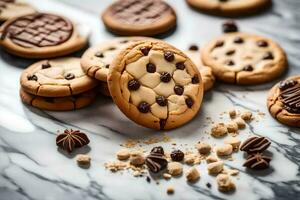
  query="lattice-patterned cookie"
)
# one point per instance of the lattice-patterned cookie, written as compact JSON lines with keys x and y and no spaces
{"x":139,"y":17}
{"x":156,"y":85}
{"x":230,"y":7}
{"x":41,"y":35}
{"x":14,"y":8}
{"x":284,"y":101}
{"x":244,"y":58}
{"x":56,"y":78}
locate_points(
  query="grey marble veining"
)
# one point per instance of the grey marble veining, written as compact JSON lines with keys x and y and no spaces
{"x":31,"y":167}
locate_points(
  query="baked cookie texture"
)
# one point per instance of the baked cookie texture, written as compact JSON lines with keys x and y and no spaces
{"x":103,"y":89}
{"x":155,"y":85}
{"x":14,"y":8}
{"x":41,"y":35}
{"x":244,"y":58}
{"x":56,"y":78}
{"x":136,"y":17}
{"x":284,"y":101}
{"x":59,"y":103}
{"x":232,"y":8}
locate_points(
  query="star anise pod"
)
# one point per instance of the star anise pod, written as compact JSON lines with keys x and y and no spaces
{"x":257,"y":161}
{"x":71,"y":139}
{"x":255,"y":145}
{"x":156,"y":162}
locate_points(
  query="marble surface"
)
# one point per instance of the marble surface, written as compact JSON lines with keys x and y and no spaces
{"x":32,"y":168}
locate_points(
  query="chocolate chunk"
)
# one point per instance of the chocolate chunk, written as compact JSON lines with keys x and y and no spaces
{"x":195,"y":79}
{"x":208,"y":185}
{"x":248,"y":68}
{"x":283,"y":85}
{"x":229,"y":26}
{"x":165,"y":77}
{"x":229,"y":63}
{"x":112,"y":48}
{"x":99,"y":54}
{"x":255,"y":145}
{"x":262,"y":43}
{"x":158,"y":150}
{"x":70,"y":139}
{"x":32,"y":77}
{"x":123,"y":41}
{"x":46,"y":65}
{"x":257,"y":161}
{"x":290,"y":98}
{"x":177,"y":155}
{"x":69,"y":76}
{"x":156,"y":162}
{"x":133,"y":85}
{"x":148,"y":179}
{"x":189,"y":102}
{"x":268,"y":56}
{"x":161,"y":100}
{"x":230,"y":52}
{"x":144,"y":107}
{"x":162,"y":123}
{"x":107,"y":66}
{"x":193,"y":48}
{"x":219,"y":44}
{"x":238,"y":40}
{"x":151,"y":68}
{"x":169,"y":56}
{"x":178,"y":89}
{"x":145,"y":50}
{"x":180,"y":65}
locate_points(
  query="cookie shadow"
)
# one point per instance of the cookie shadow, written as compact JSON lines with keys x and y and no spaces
{"x":83,"y":150}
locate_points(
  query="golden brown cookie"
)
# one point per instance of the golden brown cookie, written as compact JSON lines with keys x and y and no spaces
{"x":155,"y":85}
{"x":14,"y":8}
{"x":136,"y":17}
{"x":229,"y":7}
{"x":59,"y":103}
{"x":41,"y":35}
{"x":284,"y":101}
{"x":103,"y":89}
{"x":244,"y":58}
{"x":56,"y":78}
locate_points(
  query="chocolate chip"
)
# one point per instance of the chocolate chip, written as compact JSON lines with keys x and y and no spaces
{"x":46,"y":65}
{"x":124,"y":41}
{"x":268,"y":56}
{"x":161,"y":100}
{"x":151,"y":68}
{"x":169,"y":56}
{"x":144,"y":107}
{"x":145,"y":50}
{"x":238,"y":40}
{"x":229,"y":26}
{"x":219,"y":44}
{"x":208,"y":185}
{"x":230,"y":52}
{"x":178,"y":89}
{"x":229,"y":63}
{"x":107,"y":66}
{"x":189,"y":102}
{"x":158,"y":150}
{"x":112,"y":48}
{"x":148,"y":179}
{"x":194,"y":48}
{"x":195,"y":79}
{"x":177,"y":155}
{"x":32,"y":78}
{"x":99,"y":55}
{"x":180,"y":66}
{"x":165,"y":77}
{"x":162,"y":123}
{"x":133,"y":85}
{"x":283,"y":85}
{"x":69,"y":76}
{"x":262,"y":43}
{"x":248,"y":68}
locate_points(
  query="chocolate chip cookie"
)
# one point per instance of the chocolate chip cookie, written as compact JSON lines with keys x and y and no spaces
{"x":41,"y":35}
{"x":244,"y":58}
{"x":139,"y":17}
{"x":284,"y":101}
{"x":155,"y":85}
{"x":14,"y":8}
{"x":59,"y":103}
{"x":56,"y":78}
{"x":229,"y":7}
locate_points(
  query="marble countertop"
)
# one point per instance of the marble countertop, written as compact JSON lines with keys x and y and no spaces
{"x":32,"y":168}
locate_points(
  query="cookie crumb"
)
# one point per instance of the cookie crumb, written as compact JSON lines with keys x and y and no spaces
{"x":224,"y":150}
{"x":167,"y":176}
{"x":240,"y":122}
{"x":170,"y":190}
{"x":247,"y":115}
{"x":215,"y":167}
{"x":219,"y":130}
{"x":234,"y":142}
{"x":115,"y":166}
{"x":190,"y":158}
{"x":137,"y":158}
{"x":225,"y":184}
{"x":232,"y":113}
{"x":232,"y":127}
{"x":203,"y":148}
{"x":211,"y":159}
{"x":175,"y":168}
{"x":83,"y":159}
{"x":123,"y":154}
{"x":192,"y":175}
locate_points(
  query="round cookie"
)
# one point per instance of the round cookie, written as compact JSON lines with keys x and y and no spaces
{"x":229,"y":7}
{"x":206,"y":72}
{"x":103,"y":89}
{"x":56,"y":78}
{"x":136,"y":17}
{"x":284,"y":101}
{"x":243,"y":58}
{"x":59,"y":103}
{"x":14,"y":8}
{"x":155,"y":85}
{"x":41,"y":35}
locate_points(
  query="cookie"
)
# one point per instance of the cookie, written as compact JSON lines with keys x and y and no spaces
{"x":59,"y":103}
{"x":155,"y":85}
{"x":96,"y":60}
{"x":14,"y":8}
{"x":284,"y":101}
{"x":56,"y":78}
{"x":206,"y":72}
{"x":136,"y":17}
{"x":42,"y":35}
{"x":229,"y":7}
{"x":103,"y":89}
{"x":244,"y":58}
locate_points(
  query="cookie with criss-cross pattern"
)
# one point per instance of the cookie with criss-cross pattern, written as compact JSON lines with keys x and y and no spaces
{"x":155,"y":85}
{"x":244,"y":58}
{"x":284,"y":101}
{"x":56,"y":78}
{"x":42,"y":35}
{"x":13,"y":8}
{"x":139,"y":17}
{"x":230,"y":7}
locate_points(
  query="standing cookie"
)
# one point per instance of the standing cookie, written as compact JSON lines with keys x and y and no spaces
{"x":14,"y":8}
{"x":41,"y":35}
{"x":56,"y":78}
{"x":229,"y":7}
{"x":136,"y":17}
{"x":244,"y":58}
{"x":284,"y":101}
{"x":155,"y":85}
